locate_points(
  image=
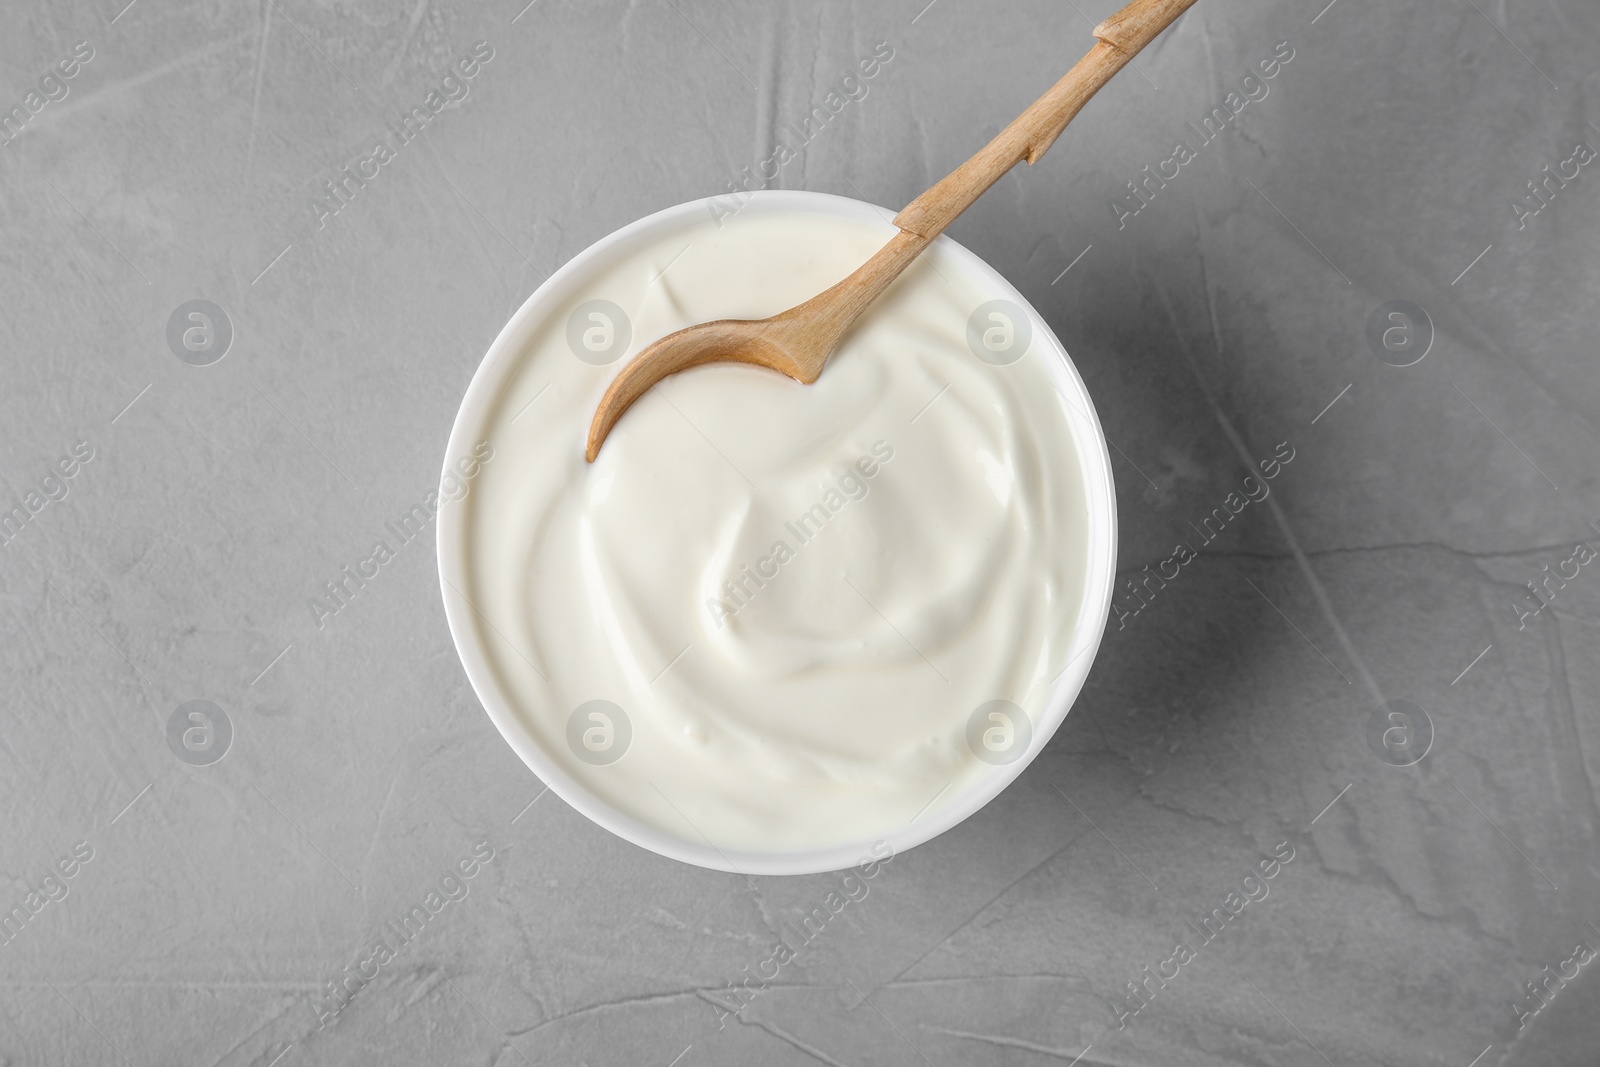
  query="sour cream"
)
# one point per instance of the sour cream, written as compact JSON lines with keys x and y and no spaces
{"x":774,"y":617}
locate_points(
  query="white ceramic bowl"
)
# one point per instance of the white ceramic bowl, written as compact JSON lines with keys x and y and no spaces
{"x":509,"y":347}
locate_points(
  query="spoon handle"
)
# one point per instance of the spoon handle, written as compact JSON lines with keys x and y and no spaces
{"x":1120,"y":38}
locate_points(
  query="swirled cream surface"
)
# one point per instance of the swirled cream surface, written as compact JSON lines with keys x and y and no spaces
{"x":767,"y":616}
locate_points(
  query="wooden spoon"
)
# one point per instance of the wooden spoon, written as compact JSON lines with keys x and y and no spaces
{"x":799,"y":341}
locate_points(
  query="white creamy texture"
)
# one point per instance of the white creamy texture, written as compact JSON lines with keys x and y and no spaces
{"x":828,"y":702}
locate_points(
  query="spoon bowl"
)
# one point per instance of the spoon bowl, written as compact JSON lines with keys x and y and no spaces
{"x":723,"y":341}
{"x":796,"y":342}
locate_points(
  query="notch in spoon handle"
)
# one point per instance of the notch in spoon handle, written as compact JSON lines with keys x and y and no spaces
{"x":1120,"y":38}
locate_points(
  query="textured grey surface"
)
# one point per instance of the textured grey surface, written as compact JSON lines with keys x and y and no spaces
{"x":1224,"y":718}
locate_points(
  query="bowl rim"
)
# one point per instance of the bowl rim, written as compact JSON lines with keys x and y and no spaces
{"x":504,"y":353}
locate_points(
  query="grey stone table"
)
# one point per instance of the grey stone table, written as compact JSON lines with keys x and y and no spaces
{"x":1358,"y":234}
